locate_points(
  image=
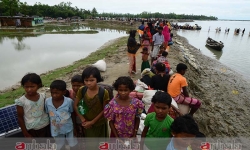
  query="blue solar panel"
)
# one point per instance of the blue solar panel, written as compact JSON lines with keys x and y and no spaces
{"x":8,"y":119}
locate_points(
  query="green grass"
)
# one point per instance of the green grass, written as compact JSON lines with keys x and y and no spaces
{"x":40,"y":33}
{"x":9,"y":97}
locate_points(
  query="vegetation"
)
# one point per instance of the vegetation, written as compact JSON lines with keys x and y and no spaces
{"x":64,"y":10}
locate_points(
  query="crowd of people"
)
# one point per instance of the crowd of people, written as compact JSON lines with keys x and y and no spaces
{"x":86,"y":110}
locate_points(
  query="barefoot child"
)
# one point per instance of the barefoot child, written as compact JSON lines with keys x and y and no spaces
{"x":32,"y":117}
{"x":60,"y":110}
{"x":157,"y":124}
{"x":123,"y":111}
{"x":145,"y":63}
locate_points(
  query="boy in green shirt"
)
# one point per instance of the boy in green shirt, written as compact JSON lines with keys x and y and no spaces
{"x":157,"y":124}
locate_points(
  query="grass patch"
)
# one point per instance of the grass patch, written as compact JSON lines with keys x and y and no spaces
{"x":40,"y":33}
{"x":8,"y":97}
{"x":73,"y":32}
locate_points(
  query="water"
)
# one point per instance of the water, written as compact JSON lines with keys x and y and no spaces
{"x":39,"y":54}
{"x":235,"y":53}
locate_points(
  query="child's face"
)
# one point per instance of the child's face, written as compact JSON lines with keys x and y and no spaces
{"x":57,"y":94}
{"x":30,"y":88}
{"x":184,"y":139}
{"x":161,"y":110}
{"x":90,"y":82}
{"x":123,"y":91}
{"x":76,"y":86}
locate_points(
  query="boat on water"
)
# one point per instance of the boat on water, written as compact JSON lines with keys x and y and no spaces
{"x":214,"y":44}
{"x":187,"y":27}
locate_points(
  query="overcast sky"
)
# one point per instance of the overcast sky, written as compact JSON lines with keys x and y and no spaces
{"x":223,"y":9}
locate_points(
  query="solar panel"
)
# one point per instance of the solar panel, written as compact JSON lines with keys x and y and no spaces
{"x":8,"y":119}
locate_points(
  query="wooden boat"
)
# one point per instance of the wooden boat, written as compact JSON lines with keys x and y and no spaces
{"x":214,"y":44}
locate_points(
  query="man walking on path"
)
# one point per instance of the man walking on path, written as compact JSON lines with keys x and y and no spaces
{"x":158,"y":40}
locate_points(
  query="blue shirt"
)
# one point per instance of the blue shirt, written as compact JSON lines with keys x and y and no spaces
{"x":60,"y":118}
{"x":171,"y":146}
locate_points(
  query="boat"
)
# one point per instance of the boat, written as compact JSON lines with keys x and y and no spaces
{"x":214,"y":44}
{"x":189,"y":27}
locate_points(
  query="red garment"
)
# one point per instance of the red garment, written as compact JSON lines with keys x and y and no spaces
{"x":148,"y":33}
{"x":166,"y":34}
{"x":151,"y":108}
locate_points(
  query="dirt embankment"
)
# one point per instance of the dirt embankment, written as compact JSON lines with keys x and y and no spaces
{"x":223,"y":92}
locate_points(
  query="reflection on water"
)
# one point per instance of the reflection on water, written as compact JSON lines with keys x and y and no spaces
{"x":43,"y":52}
{"x":20,"y":45}
{"x":216,"y":53}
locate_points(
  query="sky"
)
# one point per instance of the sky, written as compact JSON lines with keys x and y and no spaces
{"x":223,"y":9}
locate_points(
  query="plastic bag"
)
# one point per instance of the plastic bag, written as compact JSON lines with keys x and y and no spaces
{"x":140,"y":86}
{"x":100,"y":65}
{"x":147,"y":97}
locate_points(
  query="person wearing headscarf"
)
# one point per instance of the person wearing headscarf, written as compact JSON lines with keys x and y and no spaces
{"x":132,"y":46}
{"x":166,"y":33}
{"x":147,"y":38}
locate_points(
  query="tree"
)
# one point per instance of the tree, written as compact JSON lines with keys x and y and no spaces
{"x":94,"y":12}
{"x":9,"y":7}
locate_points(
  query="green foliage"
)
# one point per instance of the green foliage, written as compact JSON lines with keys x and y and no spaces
{"x":158,"y":15}
{"x":64,"y":10}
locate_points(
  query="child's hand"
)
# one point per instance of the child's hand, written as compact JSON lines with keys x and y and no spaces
{"x":87,"y":124}
{"x":82,"y":119}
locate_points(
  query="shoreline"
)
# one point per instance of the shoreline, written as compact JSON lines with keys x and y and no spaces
{"x":224,"y":93}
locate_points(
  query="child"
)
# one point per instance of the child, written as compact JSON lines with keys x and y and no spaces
{"x":155,"y":60}
{"x":160,"y":80}
{"x":76,"y":83}
{"x":163,"y":59}
{"x":60,"y":110}
{"x":162,"y":49}
{"x":32,"y":118}
{"x":157,"y":124}
{"x":123,"y":111}
{"x":145,"y":63}
{"x":177,"y":89}
{"x":183,"y":129}
{"x":93,"y":121}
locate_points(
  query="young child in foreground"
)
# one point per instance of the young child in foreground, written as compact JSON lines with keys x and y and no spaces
{"x":123,"y":111}
{"x":93,"y":121}
{"x":31,"y":115}
{"x":157,"y":124}
{"x":183,"y":129}
{"x":145,"y":62}
{"x":60,"y":110}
